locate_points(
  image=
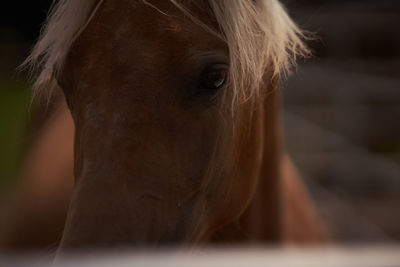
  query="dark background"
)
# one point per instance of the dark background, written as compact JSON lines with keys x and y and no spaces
{"x":24,"y":17}
{"x":342,"y":115}
{"x":341,"y":109}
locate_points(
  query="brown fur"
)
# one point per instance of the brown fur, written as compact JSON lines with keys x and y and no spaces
{"x":152,"y":166}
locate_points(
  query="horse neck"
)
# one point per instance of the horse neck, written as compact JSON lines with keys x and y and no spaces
{"x":262,"y":220}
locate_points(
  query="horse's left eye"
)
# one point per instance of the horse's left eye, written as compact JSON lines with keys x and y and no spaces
{"x":214,"y":77}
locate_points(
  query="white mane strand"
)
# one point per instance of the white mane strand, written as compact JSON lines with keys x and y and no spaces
{"x":259,"y":33}
{"x":261,"y":37}
{"x":67,"y":19}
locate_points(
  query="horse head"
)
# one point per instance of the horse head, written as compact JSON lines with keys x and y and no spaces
{"x":168,"y":102}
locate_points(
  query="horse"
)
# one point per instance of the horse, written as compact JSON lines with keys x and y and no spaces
{"x":172,"y":108}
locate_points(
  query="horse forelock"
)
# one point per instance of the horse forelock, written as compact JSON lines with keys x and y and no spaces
{"x":259,"y":34}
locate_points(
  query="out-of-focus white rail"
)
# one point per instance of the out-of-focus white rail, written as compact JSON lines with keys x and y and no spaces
{"x":382,"y":256}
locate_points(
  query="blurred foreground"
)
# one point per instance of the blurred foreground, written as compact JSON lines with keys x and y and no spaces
{"x":328,"y":257}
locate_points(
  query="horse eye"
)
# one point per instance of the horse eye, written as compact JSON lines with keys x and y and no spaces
{"x":214,"y":77}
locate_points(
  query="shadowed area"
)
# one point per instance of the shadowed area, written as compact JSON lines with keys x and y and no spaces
{"x":341,"y":114}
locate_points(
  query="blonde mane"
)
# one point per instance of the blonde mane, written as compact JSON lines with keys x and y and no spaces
{"x":259,"y":33}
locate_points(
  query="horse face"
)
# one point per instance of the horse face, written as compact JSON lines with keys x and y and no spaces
{"x":157,"y":156}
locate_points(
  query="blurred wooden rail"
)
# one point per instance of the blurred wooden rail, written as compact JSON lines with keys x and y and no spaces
{"x":381,"y":256}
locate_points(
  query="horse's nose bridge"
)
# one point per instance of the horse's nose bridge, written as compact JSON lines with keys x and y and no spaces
{"x":93,"y":116}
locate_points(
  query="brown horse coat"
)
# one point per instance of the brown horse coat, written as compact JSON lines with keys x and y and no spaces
{"x":161,"y":155}
{"x":280,"y":213}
